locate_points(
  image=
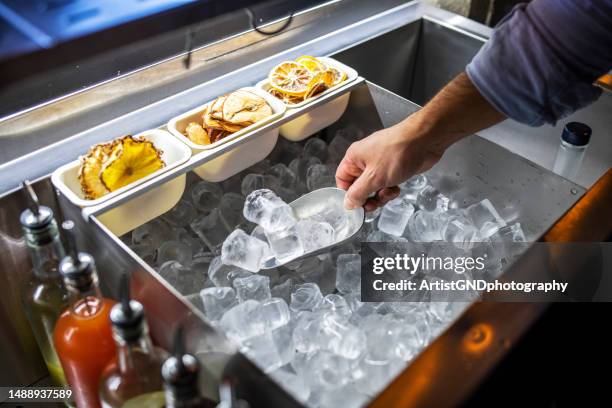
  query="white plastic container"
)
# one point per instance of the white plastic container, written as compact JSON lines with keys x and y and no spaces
{"x":241,"y":156}
{"x":319,"y":118}
{"x":141,"y":209}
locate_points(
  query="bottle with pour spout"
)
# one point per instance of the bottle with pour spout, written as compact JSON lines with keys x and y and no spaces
{"x":134,"y":379}
{"x":181,"y":373}
{"x":43,"y":294}
{"x":83,"y":335}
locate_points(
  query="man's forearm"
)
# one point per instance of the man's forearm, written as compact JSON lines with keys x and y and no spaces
{"x":457,"y":111}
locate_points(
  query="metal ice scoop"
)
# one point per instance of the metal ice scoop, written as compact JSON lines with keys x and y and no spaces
{"x":316,"y":202}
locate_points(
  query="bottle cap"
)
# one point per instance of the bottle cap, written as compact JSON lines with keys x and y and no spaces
{"x":77,"y":268}
{"x":576,"y":133}
{"x":127,"y":316}
{"x":36,"y":216}
{"x":180,"y":372}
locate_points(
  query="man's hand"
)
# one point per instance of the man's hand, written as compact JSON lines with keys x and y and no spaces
{"x":381,"y":161}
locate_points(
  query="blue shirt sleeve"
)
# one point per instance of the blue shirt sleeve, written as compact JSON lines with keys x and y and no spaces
{"x":541,"y":61}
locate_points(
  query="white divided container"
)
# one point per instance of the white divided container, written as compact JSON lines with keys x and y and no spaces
{"x":319,"y":118}
{"x":141,"y":209}
{"x":238,"y":158}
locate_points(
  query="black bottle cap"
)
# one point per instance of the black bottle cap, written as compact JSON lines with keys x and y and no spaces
{"x":576,"y":133}
{"x":180,"y":372}
{"x":127,"y":316}
{"x":77,"y":268}
{"x":36,"y":216}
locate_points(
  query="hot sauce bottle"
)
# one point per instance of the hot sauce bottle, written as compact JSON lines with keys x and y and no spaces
{"x":134,"y":379}
{"x":83,"y":335}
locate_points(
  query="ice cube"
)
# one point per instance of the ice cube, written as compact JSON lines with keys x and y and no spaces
{"x":512,"y":240}
{"x":411,"y":187}
{"x":243,"y":321}
{"x":275,"y":313}
{"x":314,"y":234}
{"x":210,"y":230}
{"x":223,"y":275}
{"x":426,"y":226}
{"x":283,"y":290}
{"x":252,"y":182}
{"x":258,"y":233}
{"x":485,"y":217}
{"x":394,"y":216}
{"x":283,"y":340}
{"x":335,"y":303}
{"x":319,"y":176}
{"x":217,"y":301}
{"x":341,"y":337}
{"x":379,"y":236}
{"x":335,"y":216}
{"x":348,"y":273}
{"x":205,"y":195}
{"x":232,"y":184}
{"x":152,"y":233}
{"x":285,"y":244}
{"x":180,"y":234}
{"x":461,"y":232}
{"x":349,"y":396}
{"x":230,"y":210}
{"x":284,"y":175}
{"x":242,"y":250}
{"x":306,"y":296}
{"x":300,"y":165}
{"x":182,"y":278}
{"x":174,"y":251}
{"x":265,"y":208}
{"x":326,"y":371}
{"x":285,"y":151}
{"x":255,"y":287}
{"x":262,"y":350}
{"x":337,"y":148}
{"x":430,"y":199}
{"x":315,"y":147}
{"x":181,"y":214}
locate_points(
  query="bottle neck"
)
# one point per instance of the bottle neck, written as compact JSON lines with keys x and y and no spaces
{"x":85,"y":302}
{"x":46,"y":252}
{"x":128,"y":349}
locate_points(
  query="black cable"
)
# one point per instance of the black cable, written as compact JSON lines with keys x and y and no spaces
{"x":252,"y":22}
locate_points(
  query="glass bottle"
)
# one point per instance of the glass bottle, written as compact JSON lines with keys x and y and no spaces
{"x":574,"y":142}
{"x":180,"y":373}
{"x":83,"y":335}
{"x":134,"y":379}
{"x":43,"y":294}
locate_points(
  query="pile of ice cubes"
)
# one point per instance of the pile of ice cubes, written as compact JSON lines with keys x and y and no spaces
{"x":279,"y":235}
{"x":303,"y":323}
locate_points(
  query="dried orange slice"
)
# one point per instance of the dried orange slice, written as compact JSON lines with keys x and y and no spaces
{"x":311,"y":63}
{"x":290,"y":78}
{"x":339,"y":76}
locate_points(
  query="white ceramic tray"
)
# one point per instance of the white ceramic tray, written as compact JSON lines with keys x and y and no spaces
{"x":242,"y":156}
{"x":310,"y":123}
{"x":146,"y":207}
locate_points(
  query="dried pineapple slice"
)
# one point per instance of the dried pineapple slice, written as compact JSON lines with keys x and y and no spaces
{"x":89,"y":172}
{"x":130,"y":160}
